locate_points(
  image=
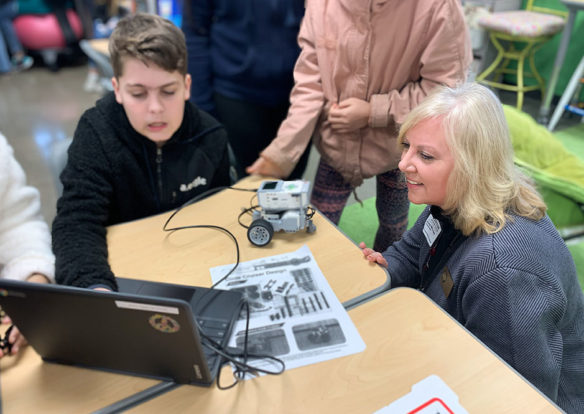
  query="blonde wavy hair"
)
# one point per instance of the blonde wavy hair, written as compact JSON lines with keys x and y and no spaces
{"x":485,"y":185}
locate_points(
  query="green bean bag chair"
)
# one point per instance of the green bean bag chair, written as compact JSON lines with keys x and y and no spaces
{"x":558,"y":173}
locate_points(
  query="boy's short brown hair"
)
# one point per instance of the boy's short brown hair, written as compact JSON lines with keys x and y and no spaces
{"x":150,"y":39}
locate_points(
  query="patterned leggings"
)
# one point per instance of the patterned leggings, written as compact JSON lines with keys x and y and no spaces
{"x":330,"y":194}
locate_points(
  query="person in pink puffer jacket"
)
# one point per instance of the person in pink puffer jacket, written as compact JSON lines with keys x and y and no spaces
{"x":364,"y":65}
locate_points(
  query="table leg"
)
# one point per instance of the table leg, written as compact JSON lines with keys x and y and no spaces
{"x":138,"y":398}
{"x":567,"y":95}
{"x":544,"y":110}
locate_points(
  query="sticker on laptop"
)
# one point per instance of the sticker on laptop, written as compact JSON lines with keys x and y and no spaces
{"x":164,"y":323}
{"x":146,"y":307}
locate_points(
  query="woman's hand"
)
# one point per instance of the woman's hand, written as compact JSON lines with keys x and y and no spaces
{"x":372,"y":255}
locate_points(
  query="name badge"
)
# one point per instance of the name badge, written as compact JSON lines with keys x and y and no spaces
{"x":431,"y":229}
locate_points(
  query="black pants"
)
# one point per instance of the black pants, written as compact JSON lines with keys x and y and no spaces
{"x":250,"y":128}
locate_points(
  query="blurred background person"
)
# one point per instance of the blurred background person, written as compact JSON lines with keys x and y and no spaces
{"x":241,"y":59}
{"x":12,"y":56}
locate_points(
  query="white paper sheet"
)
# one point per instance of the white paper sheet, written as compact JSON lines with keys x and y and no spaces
{"x":429,"y":396}
{"x":295,"y":315}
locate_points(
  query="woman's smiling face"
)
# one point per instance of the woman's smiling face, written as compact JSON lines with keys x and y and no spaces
{"x":427,"y":162}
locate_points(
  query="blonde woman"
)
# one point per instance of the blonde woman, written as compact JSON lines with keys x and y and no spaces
{"x":484,"y":249}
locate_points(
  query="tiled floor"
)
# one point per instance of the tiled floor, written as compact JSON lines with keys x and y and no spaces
{"x":39,"y":108}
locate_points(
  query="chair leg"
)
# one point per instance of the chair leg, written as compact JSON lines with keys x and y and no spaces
{"x":520,"y":68}
{"x":510,"y":52}
{"x":500,"y":65}
{"x":535,"y":73}
{"x":495,"y":64}
{"x":490,"y":69}
{"x":500,"y":73}
{"x":570,"y":90}
{"x":526,"y":52}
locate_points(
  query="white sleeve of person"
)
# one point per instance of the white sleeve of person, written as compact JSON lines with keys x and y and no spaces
{"x":25,"y":239}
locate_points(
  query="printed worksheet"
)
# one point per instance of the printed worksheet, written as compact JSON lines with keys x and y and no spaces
{"x":294,"y":314}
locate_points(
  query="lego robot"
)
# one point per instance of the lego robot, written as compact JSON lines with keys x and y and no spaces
{"x":283,"y":205}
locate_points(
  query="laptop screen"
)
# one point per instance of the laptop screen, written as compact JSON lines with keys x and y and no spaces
{"x":150,"y":335}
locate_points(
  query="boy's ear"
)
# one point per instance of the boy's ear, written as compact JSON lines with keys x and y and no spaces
{"x":116,"y":86}
{"x":188,"y":81}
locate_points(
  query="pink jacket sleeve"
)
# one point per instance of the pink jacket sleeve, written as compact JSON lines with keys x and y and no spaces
{"x":307,"y":101}
{"x":445,"y":60}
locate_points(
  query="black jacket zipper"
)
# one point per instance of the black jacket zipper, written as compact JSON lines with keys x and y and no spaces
{"x":159,"y":171}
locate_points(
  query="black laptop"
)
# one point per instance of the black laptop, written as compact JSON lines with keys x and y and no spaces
{"x":146,"y":329}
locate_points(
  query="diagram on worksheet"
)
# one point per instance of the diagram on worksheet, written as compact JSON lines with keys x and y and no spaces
{"x":294,"y":314}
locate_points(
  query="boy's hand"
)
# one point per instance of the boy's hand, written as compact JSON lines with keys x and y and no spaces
{"x":372,"y":255}
{"x":349,"y":115}
{"x":265,"y":167}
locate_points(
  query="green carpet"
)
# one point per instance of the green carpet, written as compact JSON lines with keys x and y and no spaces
{"x":360,"y":223}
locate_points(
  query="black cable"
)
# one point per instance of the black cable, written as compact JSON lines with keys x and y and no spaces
{"x":201,"y":196}
{"x":252,"y":207}
{"x":208,"y":226}
{"x":245,"y":211}
{"x":241,"y":368}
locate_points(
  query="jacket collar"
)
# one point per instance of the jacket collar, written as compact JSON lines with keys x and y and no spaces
{"x":114,"y":113}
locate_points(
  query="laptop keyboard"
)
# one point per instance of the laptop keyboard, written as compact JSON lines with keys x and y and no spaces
{"x":214,"y":329}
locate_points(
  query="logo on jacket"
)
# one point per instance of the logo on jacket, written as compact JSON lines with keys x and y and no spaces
{"x":195,"y":183}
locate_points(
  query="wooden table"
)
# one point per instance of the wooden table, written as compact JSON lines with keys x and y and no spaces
{"x":408,"y":338}
{"x":30,"y":385}
{"x":141,"y":250}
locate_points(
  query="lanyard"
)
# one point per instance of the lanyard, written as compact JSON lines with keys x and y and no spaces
{"x":443,"y":246}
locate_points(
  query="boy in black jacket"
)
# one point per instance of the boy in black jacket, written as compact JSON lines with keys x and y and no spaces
{"x":142,"y":150}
